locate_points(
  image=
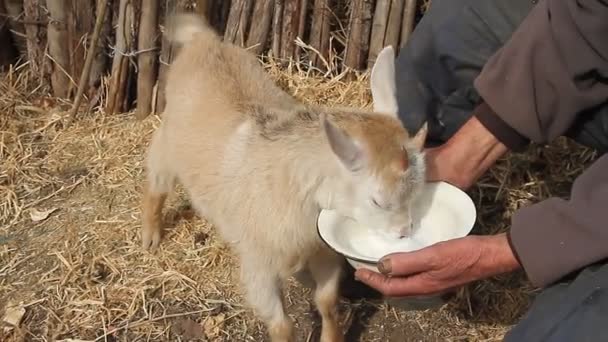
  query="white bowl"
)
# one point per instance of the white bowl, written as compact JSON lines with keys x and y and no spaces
{"x":442,"y":212}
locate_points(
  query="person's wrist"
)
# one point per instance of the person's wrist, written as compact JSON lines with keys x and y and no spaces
{"x":469,"y":153}
{"x":499,"y":256}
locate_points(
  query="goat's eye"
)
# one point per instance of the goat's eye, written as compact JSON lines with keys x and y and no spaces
{"x":376,"y":203}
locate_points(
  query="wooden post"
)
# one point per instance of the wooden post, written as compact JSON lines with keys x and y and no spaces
{"x":59,"y":46}
{"x":82,"y":18}
{"x":378,"y":30}
{"x":291,"y":18}
{"x":357,"y":46}
{"x":319,"y":32}
{"x":9,"y":52}
{"x":101,"y":10}
{"x":129,"y":86}
{"x":276,"y":28}
{"x":301,"y":26}
{"x":238,"y":21}
{"x":409,"y":15}
{"x":393,"y":26}
{"x":258,"y":33}
{"x":244,"y":23}
{"x":36,"y":38}
{"x":100,"y":59}
{"x":120,"y":62}
{"x":147,"y":44}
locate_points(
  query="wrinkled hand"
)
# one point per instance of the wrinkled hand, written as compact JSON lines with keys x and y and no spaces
{"x":464,"y":157}
{"x":440,"y":267}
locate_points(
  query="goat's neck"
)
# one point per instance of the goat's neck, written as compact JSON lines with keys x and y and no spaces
{"x":319,"y":176}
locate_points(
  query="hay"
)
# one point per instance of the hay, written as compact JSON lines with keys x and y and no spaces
{"x":69,"y":243}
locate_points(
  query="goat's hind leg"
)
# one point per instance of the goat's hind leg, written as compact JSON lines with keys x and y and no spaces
{"x":159,"y":181}
{"x":326,"y":269}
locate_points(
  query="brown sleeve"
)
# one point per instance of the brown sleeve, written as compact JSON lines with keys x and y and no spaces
{"x":554,"y":67}
{"x":556,"y":237}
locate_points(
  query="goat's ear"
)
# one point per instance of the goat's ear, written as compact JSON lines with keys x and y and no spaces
{"x":384,"y":90}
{"x":420,"y":138}
{"x":348,"y":150}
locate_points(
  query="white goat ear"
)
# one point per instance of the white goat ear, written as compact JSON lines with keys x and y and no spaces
{"x":420,"y":138}
{"x":383,"y":86}
{"x":347,"y":149}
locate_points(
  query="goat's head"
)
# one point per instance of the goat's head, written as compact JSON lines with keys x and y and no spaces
{"x":384,"y":167}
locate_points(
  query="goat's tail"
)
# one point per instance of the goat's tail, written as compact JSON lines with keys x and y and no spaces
{"x":182,"y":28}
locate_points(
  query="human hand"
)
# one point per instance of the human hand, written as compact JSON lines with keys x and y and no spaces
{"x":464,"y":157}
{"x":441,"y":267}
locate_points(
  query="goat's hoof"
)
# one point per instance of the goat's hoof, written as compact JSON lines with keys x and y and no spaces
{"x":150,"y":240}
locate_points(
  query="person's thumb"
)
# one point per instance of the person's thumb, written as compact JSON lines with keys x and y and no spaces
{"x":406,"y":263}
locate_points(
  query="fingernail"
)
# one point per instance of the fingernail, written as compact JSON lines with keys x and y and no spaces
{"x":384,"y":266}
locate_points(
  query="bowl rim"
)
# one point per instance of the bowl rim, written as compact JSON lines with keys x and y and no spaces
{"x":344,"y":254}
{"x":375,"y":262}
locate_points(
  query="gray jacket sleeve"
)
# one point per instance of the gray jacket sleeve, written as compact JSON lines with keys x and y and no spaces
{"x":553,"y":69}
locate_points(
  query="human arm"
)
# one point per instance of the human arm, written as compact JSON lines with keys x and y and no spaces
{"x":552,"y":70}
{"x":549,"y":74}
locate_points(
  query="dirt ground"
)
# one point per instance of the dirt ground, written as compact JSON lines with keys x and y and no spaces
{"x":71,"y":267}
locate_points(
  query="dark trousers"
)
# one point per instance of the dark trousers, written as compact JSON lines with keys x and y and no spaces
{"x":435,"y":73}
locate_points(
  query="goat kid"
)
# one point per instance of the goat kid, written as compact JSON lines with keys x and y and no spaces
{"x":260,"y":166}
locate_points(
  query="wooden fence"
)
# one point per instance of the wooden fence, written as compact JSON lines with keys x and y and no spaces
{"x":128,"y":58}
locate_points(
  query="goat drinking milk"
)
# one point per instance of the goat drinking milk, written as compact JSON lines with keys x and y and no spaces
{"x":260,"y":166}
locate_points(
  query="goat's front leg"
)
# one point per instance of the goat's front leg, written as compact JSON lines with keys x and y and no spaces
{"x":263,"y":292}
{"x":326,"y":269}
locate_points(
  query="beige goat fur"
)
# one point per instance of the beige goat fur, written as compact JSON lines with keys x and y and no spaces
{"x":260,"y":166}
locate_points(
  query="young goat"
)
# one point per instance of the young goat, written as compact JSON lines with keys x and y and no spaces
{"x":260,"y":166}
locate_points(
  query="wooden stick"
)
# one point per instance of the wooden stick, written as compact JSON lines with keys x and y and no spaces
{"x":409,"y":14}
{"x":100,"y":60}
{"x":58,"y":40}
{"x":234,"y":19}
{"x":393,"y":25}
{"x":244,"y":23}
{"x":319,"y":33}
{"x":276,"y":28}
{"x":101,"y":10}
{"x":290,"y":23}
{"x":378,"y":30}
{"x":357,"y":46}
{"x":147,"y":73}
{"x":80,"y":27}
{"x":35,"y":38}
{"x":301,"y":26}
{"x":258,"y":32}
{"x":129,"y":81}
{"x":119,"y":64}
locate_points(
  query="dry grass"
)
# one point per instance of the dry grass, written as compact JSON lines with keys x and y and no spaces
{"x":80,"y":273}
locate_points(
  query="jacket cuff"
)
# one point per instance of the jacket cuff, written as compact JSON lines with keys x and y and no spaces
{"x":503,"y":132}
{"x":512,"y":246}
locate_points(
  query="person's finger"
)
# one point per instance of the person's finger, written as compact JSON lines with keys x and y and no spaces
{"x":408,"y":263}
{"x":398,"y":287}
